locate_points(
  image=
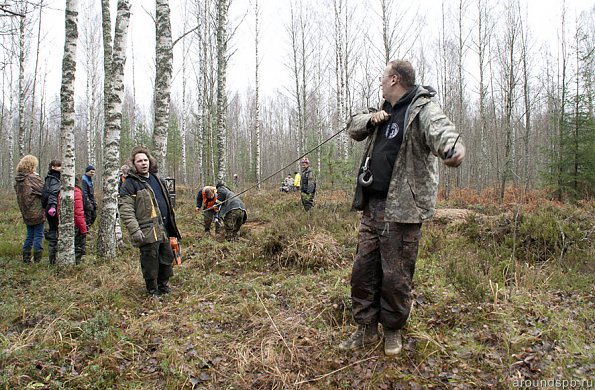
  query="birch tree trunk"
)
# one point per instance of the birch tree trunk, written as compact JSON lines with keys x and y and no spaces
{"x":184,"y":109}
{"x":222,"y":10}
{"x":561,"y":115}
{"x":295,"y":67}
{"x":9,"y":129}
{"x":256,"y":97}
{"x":90,"y":51}
{"x":163,"y":74}
{"x":106,"y":241}
{"x":341,"y":73}
{"x":527,"y":102}
{"x":483,"y":37}
{"x":34,"y":83}
{"x":66,"y":228}
{"x":22,"y":91}
{"x":106,"y":27}
{"x":510,"y":75}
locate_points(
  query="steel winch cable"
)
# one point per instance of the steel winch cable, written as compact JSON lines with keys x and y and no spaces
{"x":283,"y":168}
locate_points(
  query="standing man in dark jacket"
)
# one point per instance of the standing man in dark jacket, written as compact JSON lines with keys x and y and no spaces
{"x":232,"y":211}
{"x":49,"y":200}
{"x":146,"y":211}
{"x":396,"y":190}
{"x":89,"y":196}
{"x":307,"y":185}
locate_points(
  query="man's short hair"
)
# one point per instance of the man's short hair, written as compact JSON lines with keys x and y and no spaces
{"x":404,"y":69}
{"x":54,"y":163}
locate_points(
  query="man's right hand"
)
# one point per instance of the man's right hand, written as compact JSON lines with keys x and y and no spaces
{"x":379,"y":117}
{"x":138,"y":237}
{"x":52,"y":211}
{"x":197,"y":209}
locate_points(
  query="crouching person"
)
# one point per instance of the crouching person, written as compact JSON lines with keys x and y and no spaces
{"x":146,"y":211}
{"x":232,"y":210}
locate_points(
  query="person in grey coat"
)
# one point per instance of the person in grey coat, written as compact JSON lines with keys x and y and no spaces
{"x":232,"y":210}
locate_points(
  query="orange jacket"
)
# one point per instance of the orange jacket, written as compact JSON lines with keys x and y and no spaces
{"x":202,"y":201}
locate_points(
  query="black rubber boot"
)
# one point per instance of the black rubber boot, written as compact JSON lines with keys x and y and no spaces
{"x":37,"y":256}
{"x":52,"y":239}
{"x":152,"y":287}
{"x":164,"y":287}
{"x":26,"y":255}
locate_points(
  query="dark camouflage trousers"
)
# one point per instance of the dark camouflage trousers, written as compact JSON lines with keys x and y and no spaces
{"x":307,"y":201}
{"x":155,"y":262}
{"x":383,"y":269}
{"x":233,"y":221}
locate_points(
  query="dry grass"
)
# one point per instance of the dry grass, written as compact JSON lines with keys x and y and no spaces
{"x":267,"y":312}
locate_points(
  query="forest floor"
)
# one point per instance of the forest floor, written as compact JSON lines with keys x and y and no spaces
{"x":503,"y":298}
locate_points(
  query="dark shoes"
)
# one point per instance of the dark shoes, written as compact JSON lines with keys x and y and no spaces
{"x":26,"y":256}
{"x":37,"y":255}
{"x":156,"y":288}
{"x":158,"y":292}
{"x":365,"y":335}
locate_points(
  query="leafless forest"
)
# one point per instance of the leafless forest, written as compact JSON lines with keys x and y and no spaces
{"x":524,"y":104}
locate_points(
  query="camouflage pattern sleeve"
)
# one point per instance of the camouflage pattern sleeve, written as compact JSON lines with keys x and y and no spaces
{"x":358,"y":128}
{"x":439,"y":130}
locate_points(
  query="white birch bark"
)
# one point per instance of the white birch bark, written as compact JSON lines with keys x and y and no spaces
{"x":106,"y":241}
{"x":163,"y":75}
{"x":66,"y":229}
{"x":184,"y":124}
{"x":256,"y":97}
{"x":295,"y":66}
{"x":22,"y":89}
{"x":340,"y":71}
{"x":34,"y":83}
{"x":222,"y":10}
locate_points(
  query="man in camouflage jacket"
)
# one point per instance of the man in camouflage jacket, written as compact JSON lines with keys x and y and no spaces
{"x":146,"y":211}
{"x":307,"y":185}
{"x":396,"y":189}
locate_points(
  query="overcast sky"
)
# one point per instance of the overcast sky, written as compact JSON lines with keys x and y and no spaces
{"x":544,"y":19}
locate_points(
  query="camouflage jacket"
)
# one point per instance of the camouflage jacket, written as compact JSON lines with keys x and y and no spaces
{"x":414,"y":182}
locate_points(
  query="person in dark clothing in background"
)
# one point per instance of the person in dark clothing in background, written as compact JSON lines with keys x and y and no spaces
{"x":89,"y":196}
{"x":307,"y":185}
{"x":146,"y":211}
{"x":49,"y":201}
{"x":232,"y":210}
